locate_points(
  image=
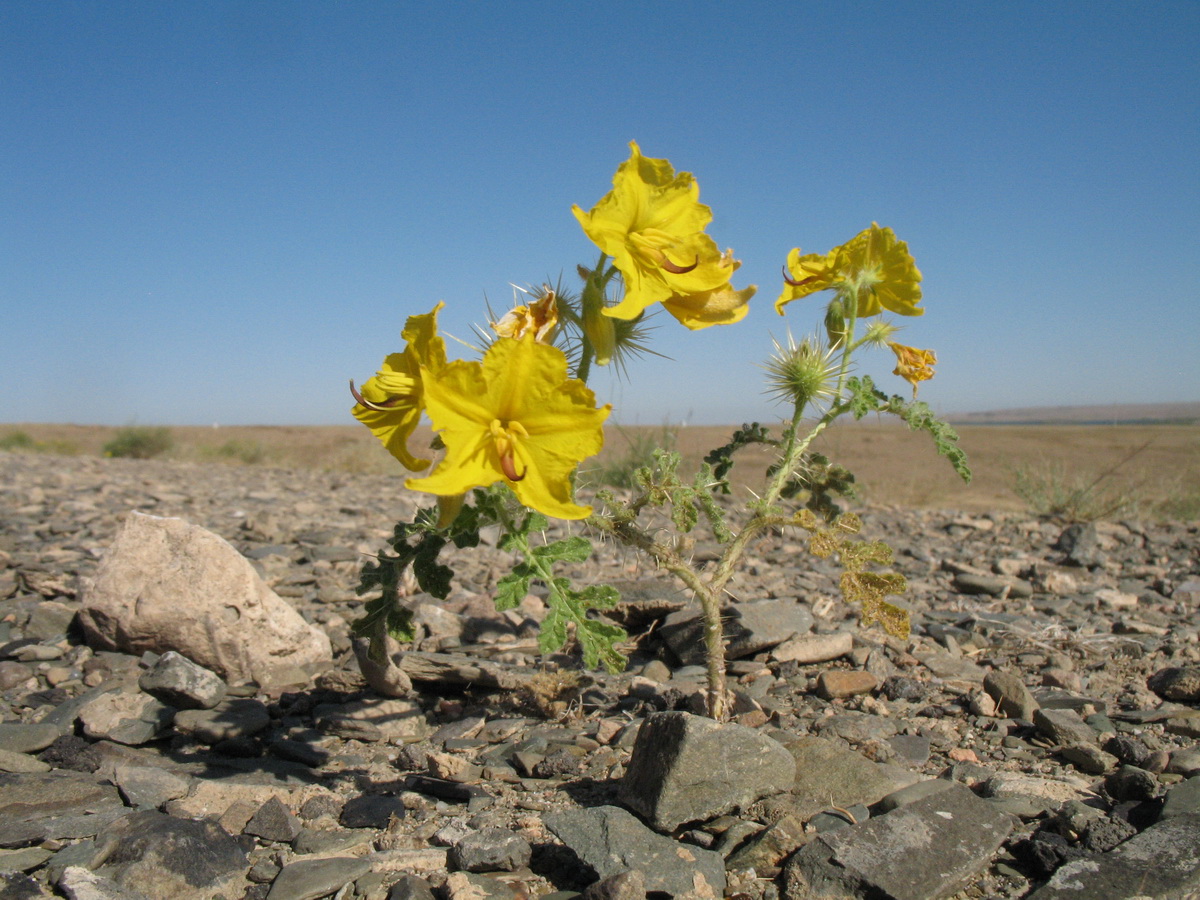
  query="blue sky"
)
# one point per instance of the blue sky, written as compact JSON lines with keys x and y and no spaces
{"x":221,"y":211}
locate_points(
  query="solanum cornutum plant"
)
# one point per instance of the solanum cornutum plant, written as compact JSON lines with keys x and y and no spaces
{"x":513,"y":427}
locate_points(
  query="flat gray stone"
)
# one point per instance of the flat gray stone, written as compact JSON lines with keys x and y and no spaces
{"x":149,"y":787}
{"x":925,"y":850}
{"x":235,"y":718}
{"x":1064,"y":726}
{"x":610,"y":840}
{"x":21,"y":763}
{"x":18,"y":737}
{"x":1161,"y":863}
{"x":828,"y":772}
{"x":686,"y":768}
{"x":310,"y":879}
{"x":57,"y":804}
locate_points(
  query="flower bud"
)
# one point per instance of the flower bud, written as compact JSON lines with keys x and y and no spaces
{"x":835,"y":322}
{"x":449,"y":506}
{"x":600,"y":331}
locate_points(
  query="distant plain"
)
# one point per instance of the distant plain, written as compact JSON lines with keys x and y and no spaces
{"x":1153,"y":466}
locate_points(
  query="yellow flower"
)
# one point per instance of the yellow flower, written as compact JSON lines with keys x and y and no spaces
{"x":538,"y":318}
{"x":652,"y":226}
{"x":517,"y":418}
{"x":913,"y":365}
{"x":391,"y":401}
{"x":804,"y":275}
{"x":872,"y":266}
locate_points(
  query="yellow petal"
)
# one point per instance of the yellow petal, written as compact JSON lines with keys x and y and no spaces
{"x":811,"y":272}
{"x":395,"y":391}
{"x":722,"y":306}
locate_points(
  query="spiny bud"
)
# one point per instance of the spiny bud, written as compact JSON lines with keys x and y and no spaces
{"x":801,"y":373}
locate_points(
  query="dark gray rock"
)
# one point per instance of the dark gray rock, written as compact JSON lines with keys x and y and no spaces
{"x":1131,"y":783}
{"x":274,"y":822}
{"x":1178,"y":683}
{"x":610,"y":841}
{"x":1182,"y":800}
{"x":1105,"y":833}
{"x":371,"y":811}
{"x":491,"y":850}
{"x":183,"y":859}
{"x":1161,"y":863}
{"x":411,"y":887}
{"x":923,"y":851}
{"x":177,"y":681}
{"x":1081,"y":544}
{"x":309,"y":879}
{"x":71,"y":752}
{"x":19,"y":886}
{"x":686,"y":768}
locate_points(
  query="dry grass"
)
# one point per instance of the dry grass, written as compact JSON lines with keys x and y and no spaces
{"x":893,"y":466}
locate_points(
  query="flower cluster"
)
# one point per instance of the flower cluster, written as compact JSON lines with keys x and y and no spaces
{"x":519,"y":418}
{"x":516,"y":417}
{"x":523,"y":418}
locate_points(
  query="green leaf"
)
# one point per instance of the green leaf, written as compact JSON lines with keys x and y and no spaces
{"x":600,"y":596}
{"x":432,"y":576}
{"x":572,"y":549}
{"x":920,"y":417}
{"x":513,"y":588}
{"x":864,"y":396}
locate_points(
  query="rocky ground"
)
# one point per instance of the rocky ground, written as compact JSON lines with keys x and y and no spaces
{"x":1037,"y":736}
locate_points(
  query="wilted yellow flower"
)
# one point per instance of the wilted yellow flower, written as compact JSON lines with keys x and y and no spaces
{"x":517,"y":418}
{"x":652,"y":226}
{"x":538,"y":318}
{"x":391,"y":401}
{"x":913,"y":365}
{"x":872,"y":266}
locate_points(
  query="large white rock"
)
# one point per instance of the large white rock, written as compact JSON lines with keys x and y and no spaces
{"x":165,"y":584}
